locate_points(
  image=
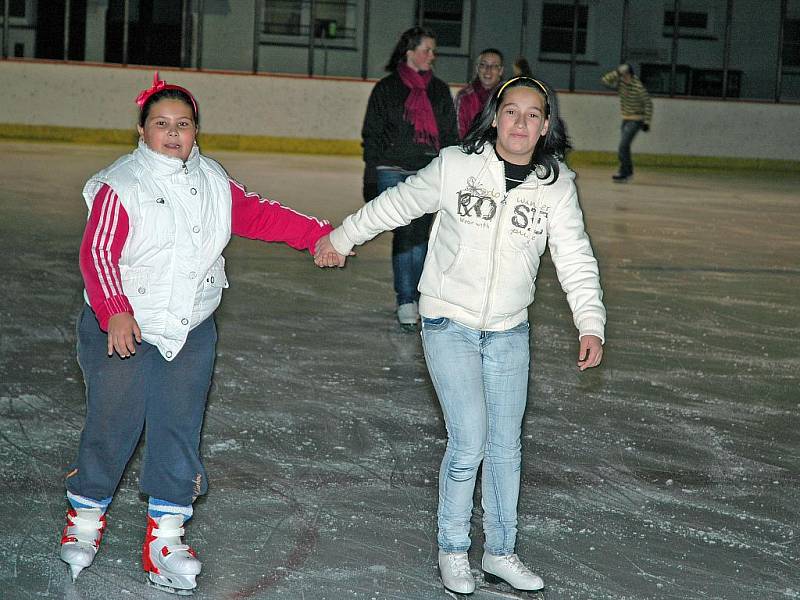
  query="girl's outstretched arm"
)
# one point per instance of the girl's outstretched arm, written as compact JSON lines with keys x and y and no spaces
{"x":258,"y":218}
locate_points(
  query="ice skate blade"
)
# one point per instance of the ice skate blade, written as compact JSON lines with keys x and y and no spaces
{"x":497,"y":587}
{"x":453,"y":593}
{"x":74,"y":571}
{"x":162,"y":583}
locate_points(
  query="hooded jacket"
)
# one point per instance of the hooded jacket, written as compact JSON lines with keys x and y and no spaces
{"x":485,"y":245}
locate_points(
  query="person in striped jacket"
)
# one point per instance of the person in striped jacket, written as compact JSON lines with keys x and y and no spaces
{"x":637,"y":112}
{"x":153,"y":272}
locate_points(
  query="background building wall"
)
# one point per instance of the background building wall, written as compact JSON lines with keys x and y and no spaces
{"x":386,"y":23}
{"x":46,"y":94}
{"x":230,"y":35}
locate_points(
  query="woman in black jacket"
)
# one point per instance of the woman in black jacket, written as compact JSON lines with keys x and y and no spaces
{"x":410,"y":117}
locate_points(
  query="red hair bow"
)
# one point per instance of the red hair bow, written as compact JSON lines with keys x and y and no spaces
{"x":159,"y":85}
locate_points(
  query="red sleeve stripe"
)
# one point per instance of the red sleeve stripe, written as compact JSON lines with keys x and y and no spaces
{"x":101,"y":245}
{"x":263,"y":200}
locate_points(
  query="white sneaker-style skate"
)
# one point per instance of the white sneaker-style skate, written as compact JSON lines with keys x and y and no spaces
{"x":172,"y":565}
{"x":81,"y":538}
{"x":456,"y":574}
{"x":408,"y":316}
{"x":510,"y":569}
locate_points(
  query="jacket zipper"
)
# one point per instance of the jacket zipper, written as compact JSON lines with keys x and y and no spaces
{"x":487,"y":302}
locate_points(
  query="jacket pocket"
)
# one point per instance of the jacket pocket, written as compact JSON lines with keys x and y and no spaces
{"x":515,"y":283}
{"x":463,"y":282}
{"x":215,"y":277}
{"x":136,"y":282}
{"x":158,"y":220}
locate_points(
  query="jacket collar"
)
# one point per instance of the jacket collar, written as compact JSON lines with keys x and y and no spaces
{"x":162,"y":165}
{"x":492,"y":160}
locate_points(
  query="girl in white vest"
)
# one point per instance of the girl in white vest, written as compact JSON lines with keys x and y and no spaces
{"x":151,"y":260}
{"x":499,"y":200}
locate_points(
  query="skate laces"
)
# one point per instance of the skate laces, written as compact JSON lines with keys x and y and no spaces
{"x":516,"y":565}
{"x":459,"y":564}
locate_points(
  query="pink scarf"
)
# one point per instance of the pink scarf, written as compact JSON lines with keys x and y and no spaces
{"x":482,"y":93}
{"x":418,"y":109}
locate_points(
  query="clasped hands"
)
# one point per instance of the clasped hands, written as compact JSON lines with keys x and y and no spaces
{"x":325,"y":255}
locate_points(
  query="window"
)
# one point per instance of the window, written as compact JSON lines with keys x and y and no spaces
{"x":656,"y":78}
{"x":708,"y":82}
{"x":691,"y":24}
{"x":17,"y":9}
{"x":557,"y":26}
{"x":690,"y":81}
{"x":791,"y":43}
{"x":283,"y":18}
{"x":286,"y":19}
{"x":688,"y":20}
{"x":448,"y":19}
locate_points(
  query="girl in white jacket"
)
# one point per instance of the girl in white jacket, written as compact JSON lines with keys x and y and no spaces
{"x":499,"y":200}
{"x":152,"y":265}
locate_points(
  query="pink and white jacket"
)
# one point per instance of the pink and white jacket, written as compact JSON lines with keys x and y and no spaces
{"x":155,"y":234}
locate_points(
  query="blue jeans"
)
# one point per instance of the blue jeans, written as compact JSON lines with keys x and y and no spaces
{"x":409,"y":244}
{"x":629,"y":130}
{"x":145,"y":391}
{"x":481,"y":379}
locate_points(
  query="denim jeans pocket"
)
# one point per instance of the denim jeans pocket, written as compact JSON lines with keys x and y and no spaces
{"x":435,"y":323}
{"x":522,"y":326}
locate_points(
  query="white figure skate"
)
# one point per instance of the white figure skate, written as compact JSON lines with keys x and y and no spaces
{"x":81,"y":538}
{"x":510,"y":570}
{"x":172,"y":565}
{"x":455,"y":572}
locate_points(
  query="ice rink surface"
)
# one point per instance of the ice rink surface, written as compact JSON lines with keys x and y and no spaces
{"x":670,"y":472}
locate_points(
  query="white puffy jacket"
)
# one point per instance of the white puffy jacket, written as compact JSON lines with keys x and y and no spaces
{"x":485,"y":244}
{"x":171,"y":267}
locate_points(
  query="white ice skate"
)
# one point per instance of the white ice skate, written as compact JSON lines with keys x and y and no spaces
{"x":456,"y":574}
{"x":511,"y":570}
{"x":81,"y":538}
{"x":171,"y":564}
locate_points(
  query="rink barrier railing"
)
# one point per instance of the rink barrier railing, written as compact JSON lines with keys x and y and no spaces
{"x":213,"y":141}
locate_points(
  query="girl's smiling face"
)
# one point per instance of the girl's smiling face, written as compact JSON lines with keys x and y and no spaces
{"x":170,"y":128}
{"x":520,"y":123}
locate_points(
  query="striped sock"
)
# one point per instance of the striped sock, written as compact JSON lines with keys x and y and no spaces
{"x":158,"y":508}
{"x":84,"y":502}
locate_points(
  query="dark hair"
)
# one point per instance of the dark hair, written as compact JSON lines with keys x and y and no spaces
{"x":169,"y":94}
{"x":492,"y":51}
{"x":548,"y":151}
{"x":410,"y":39}
{"x":524,"y":67}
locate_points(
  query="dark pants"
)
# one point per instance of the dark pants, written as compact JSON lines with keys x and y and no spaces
{"x":629,"y":130}
{"x":409,"y":244}
{"x":144,"y":392}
